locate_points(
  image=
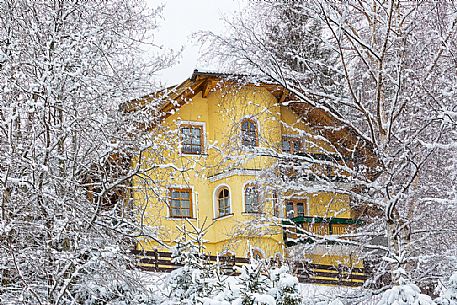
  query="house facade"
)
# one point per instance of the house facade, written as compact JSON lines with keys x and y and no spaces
{"x":250,"y":165}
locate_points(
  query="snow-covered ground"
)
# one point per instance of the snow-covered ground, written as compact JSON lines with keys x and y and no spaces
{"x":158,"y":282}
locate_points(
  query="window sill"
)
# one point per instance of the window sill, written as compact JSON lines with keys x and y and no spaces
{"x":192,"y":155}
{"x":223,"y":217}
{"x":249,"y":149}
{"x":253,"y":213}
{"x":181,"y":218}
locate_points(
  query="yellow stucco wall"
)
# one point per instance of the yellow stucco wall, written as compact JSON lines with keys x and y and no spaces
{"x":224,"y":163}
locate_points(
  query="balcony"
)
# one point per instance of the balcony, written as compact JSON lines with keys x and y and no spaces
{"x":295,"y":228}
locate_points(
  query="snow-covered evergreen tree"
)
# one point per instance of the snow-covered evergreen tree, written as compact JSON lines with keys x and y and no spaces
{"x":194,"y":281}
{"x":254,"y":285}
{"x":285,"y":287}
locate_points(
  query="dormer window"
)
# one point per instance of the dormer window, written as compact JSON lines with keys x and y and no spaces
{"x":191,"y":139}
{"x":249,"y":134}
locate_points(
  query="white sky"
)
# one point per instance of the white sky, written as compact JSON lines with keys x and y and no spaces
{"x":182,"y":18}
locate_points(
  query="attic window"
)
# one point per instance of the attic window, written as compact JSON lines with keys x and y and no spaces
{"x":191,"y":139}
{"x":249,"y":134}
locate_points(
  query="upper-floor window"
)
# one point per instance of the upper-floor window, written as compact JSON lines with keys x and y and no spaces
{"x":180,"y":203}
{"x":249,"y":134}
{"x":192,"y":139}
{"x":252,"y":199}
{"x":223,"y":202}
{"x":291,"y":145}
{"x":295,"y":208}
{"x":276,"y":205}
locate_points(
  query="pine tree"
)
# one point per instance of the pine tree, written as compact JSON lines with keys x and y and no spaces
{"x":297,"y":42}
{"x":193,"y":282}
{"x":285,"y":288}
{"x":254,"y":285}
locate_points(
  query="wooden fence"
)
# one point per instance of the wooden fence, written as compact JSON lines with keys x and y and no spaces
{"x":329,"y":275}
{"x":157,"y":261}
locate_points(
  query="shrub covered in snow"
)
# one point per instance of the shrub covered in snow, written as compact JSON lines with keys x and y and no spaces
{"x":254,"y":286}
{"x":285,"y":288}
{"x":405,"y":294}
{"x":114,"y":293}
{"x":93,"y":286}
{"x":193,"y":282}
{"x":449,"y":295}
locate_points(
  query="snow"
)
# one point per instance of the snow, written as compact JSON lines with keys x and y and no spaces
{"x":449,"y":295}
{"x":405,"y":294}
{"x":336,"y":302}
{"x":323,"y":295}
{"x":264,"y":299}
{"x":3,"y":57}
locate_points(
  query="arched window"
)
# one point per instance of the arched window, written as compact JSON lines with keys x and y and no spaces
{"x":223,"y":202}
{"x":252,"y":199}
{"x":249,"y":135}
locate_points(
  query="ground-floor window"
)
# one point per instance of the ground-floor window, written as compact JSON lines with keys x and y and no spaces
{"x":252,"y":199}
{"x":180,"y":203}
{"x":223,"y":202}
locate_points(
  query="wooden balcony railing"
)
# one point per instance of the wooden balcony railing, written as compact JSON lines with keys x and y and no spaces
{"x":295,"y":228}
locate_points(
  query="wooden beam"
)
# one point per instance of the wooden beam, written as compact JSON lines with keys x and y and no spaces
{"x":284,"y":95}
{"x":207,"y":88}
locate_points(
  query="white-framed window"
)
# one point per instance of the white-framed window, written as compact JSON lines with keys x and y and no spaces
{"x":192,"y":137}
{"x":249,"y":132}
{"x":252,"y":200}
{"x":222,"y":201}
{"x":180,"y":202}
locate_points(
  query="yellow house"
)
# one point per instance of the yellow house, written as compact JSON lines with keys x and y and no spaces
{"x":231,"y":167}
